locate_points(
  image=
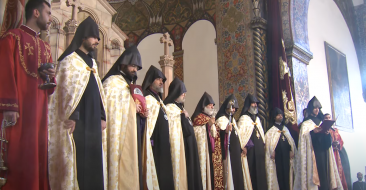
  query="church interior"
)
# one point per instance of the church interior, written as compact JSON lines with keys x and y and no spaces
{"x":221,"y":47}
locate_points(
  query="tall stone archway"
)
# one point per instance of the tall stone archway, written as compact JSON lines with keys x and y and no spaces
{"x":295,"y":33}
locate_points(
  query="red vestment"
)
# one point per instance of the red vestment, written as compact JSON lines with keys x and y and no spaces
{"x":21,"y":54}
{"x":215,"y":146}
{"x":337,"y":137}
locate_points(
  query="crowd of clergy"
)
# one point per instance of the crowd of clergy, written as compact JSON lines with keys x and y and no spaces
{"x":89,"y":133}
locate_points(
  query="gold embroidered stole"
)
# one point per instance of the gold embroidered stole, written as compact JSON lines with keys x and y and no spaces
{"x":121,"y":135}
{"x":72,"y":77}
{"x":222,"y":122}
{"x":272,"y":137}
{"x":202,"y":145}
{"x":177,"y":147}
{"x":150,"y":176}
{"x":246,"y":127}
{"x":306,"y":177}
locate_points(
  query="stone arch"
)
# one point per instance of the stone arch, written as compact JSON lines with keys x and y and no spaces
{"x":55,"y":24}
{"x":103,"y":31}
{"x":203,"y":33}
{"x":115,"y":49}
{"x":295,"y":28}
{"x":294,"y":14}
{"x":92,"y":14}
{"x":56,"y":37}
{"x":116,"y":44}
{"x":295,"y":22}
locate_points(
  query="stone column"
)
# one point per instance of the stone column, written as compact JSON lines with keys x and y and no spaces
{"x":235,"y":51}
{"x":259,"y":26}
{"x":166,"y":62}
{"x":70,"y":29}
{"x":2,"y":11}
{"x":71,"y":24}
{"x":298,"y":59}
{"x":295,"y":13}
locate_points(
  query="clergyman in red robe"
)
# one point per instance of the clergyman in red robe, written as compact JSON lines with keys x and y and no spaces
{"x":23,"y":106}
{"x":337,"y":145}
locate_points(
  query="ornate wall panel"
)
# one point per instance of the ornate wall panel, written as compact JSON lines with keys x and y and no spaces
{"x":139,"y":19}
{"x":235,"y":49}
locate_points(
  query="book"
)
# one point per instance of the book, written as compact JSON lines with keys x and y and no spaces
{"x":326,"y":125}
{"x":138,"y":96}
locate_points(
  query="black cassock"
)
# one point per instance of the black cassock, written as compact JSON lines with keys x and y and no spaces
{"x":359,"y":185}
{"x":140,"y":122}
{"x":321,"y":144}
{"x":235,"y":157}
{"x":192,"y":158}
{"x":161,"y":150}
{"x":88,"y":134}
{"x":256,"y":159}
{"x":282,"y":159}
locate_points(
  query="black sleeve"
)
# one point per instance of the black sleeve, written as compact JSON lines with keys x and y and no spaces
{"x":222,"y":142}
{"x":76,"y":114}
{"x":321,"y":141}
{"x":185,"y":125}
{"x":102,"y":112}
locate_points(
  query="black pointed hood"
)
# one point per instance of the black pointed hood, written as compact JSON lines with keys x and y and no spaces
{"x":204,"y":101}
{"x":248,"y":100}
{"x":314,"y":103}
{"x":225,"y":105}
{"x":87,"y":28}
{"x":176,"y":88}
{"x":275,"y":112}
{"x":130,"y":56}
{"x":151,"y":74}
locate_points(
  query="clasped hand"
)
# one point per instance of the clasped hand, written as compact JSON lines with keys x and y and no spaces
{"x":211,"y":121}
{"x":138,"y":110}
{"x":319,"y":129}
{"x":50,"y":72}
{"x":185,"y":113}
{"x":11,"y":117}
{"x":244,"y":152}
{"x":70,"y":124}
{"x":229,"y":127}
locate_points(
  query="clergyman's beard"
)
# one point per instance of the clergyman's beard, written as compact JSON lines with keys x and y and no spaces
{"x":88,"y":46}
{"x":180,"y":100}
{"x":130,"y":75}
{"x":278,"y":121}
{"x":157,"y":88}
{"x":208,"y":111}
{"x":253,"y":110}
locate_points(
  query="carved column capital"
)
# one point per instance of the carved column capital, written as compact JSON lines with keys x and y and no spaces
{"x":70,"y":26}
{"x":166,"y":61}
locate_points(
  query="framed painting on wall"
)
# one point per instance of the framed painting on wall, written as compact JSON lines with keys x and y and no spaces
{"x":339,"y":88}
